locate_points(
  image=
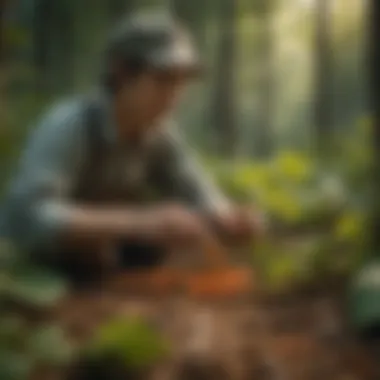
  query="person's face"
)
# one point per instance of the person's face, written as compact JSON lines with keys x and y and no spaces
{"x":153,"y":94}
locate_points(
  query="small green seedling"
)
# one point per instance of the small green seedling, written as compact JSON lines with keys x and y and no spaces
{"x":130,"y":341}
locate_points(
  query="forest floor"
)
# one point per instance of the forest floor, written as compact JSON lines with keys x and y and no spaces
{"x":303,"y":337}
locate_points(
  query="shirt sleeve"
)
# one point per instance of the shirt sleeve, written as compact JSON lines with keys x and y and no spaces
{"x":36,"y":206}
{"x":180,"y":175}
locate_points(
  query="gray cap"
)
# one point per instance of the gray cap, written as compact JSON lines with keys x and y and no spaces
{"x":156,"y":40}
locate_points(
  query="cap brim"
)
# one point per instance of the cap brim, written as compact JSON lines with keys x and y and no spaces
{"x":177,"y":60}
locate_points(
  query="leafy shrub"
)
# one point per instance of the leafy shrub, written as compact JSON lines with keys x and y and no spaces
{"x":321,"y":206}
{"x":129,"y":342}
{"x":289,"y":188}
{"x":23,"y":289}
{"x":24,"y":346}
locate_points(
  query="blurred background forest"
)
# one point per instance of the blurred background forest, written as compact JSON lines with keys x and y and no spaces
{"x":281,"y":117}
{"x":281,"y":74}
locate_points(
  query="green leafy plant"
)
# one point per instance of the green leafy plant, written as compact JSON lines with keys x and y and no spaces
{"x":130,"y":341}
{"x":24,"y":346}
{"x":25,"y":283}
{"x":325,"y":206}
{"x":289,"y":187}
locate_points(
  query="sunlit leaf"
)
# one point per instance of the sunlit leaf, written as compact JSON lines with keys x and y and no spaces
{"x":37,"y":287}
{"x":350,"y":226}
{"x":296,"y":167}
{"x":49,"y":345}
{"x":280,"y":271}
{"x":130,"y":340}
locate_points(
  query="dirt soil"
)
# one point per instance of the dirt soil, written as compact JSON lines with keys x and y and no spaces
{"x":304,"y":338}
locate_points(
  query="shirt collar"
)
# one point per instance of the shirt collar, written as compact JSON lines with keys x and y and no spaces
{"x":108,"y":125}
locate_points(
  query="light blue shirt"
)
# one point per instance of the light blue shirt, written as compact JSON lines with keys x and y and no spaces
{"x":61,"y":166}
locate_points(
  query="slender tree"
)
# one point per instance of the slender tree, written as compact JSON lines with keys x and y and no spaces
{"x":2,"y":29}
{"x":365,"y":291}
{"x":66,"y":42}
{"x":41,"y":32}
{"x":4,"y":128}
{"x":323,"y":75}
{"x":223,"y":105}
{"x":2,"y":61}
{"x":374,"y":80}
{"x":118,"y":7}
{"x":266,"y":84}
{"x":53,"y":43}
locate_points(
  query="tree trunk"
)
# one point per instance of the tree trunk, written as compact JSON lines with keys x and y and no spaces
{"x":373,"y":80}
{"x":2,"y":29}
{"x":2,"y":66}
{"x":323,"y":77}
{"x":4,"y":127}
{"x":65,"y":64}
{"x":223,"y":107}
{"x":41,"y":32}
{"x":54,"y":40}
{"x":265,"y":127}
{"x":119,"y":8}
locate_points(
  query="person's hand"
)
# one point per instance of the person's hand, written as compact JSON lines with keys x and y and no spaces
{"x":174,"y":225}
{"x":239,"y":225}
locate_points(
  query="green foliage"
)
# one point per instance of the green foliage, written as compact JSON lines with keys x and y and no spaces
{"x":130,"y":341}
{"x":23,"y":348}
{"x":24,"y":287}
{"x":25,"y":283}
{"x":48,"y":345}
{"x":35,"y":287}
{"x":289,"y":188}
{"x":14,"y":366}
{"x":355,"y":160}
{"x":322,"y":215}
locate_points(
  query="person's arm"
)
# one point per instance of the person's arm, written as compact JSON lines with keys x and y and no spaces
{"x":180,"y":175}
{"x":40,"y":213}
